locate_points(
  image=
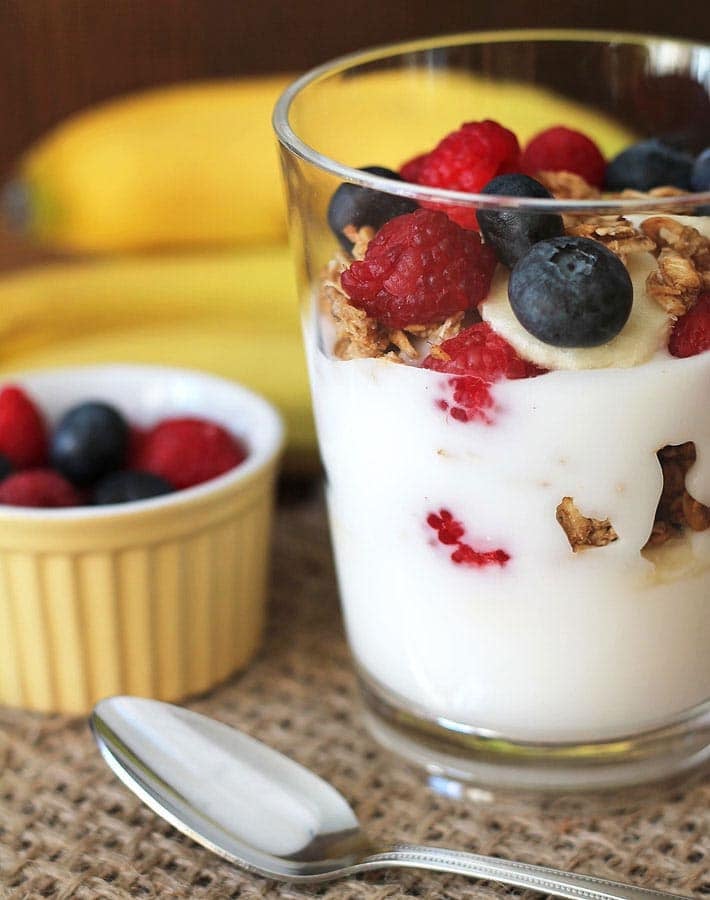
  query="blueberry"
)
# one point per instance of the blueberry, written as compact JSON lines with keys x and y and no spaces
{"x":647,"y":165}
{"x":700,"y":179}
{"x":125,"y":486}
{"x":571,"y":292}
{"x":352,"y":204}
{"x":5,"y":466}
{"x":511,"y":233}
{"x":700,"y":176}
{"x":90,"y":440}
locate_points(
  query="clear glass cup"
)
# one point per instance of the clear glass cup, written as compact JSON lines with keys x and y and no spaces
{"x":526,"y":602}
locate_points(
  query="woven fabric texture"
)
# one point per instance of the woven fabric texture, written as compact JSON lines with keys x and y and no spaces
{"x":69,"y":829}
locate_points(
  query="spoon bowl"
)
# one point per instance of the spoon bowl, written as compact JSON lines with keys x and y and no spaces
{"x":269,"y":815}
{"x":227,"y":791}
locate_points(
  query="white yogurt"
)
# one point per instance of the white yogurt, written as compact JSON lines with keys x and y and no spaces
{"x":552,"y":645}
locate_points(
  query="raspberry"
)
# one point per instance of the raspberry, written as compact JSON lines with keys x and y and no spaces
{"x":466,"y":160}
{"x":23,"y":433}
{"x":450,"y":531}
{"x":38,"y":487}
{"x":410,"y":170}
{"x":481,"y":352}
{"x":561,"y":149}
{"x":188,"y":451}
{"x":420,"y":268}
{"x":472,"y":557}
{"x":478,"y":357}
{"x":691,"y":333}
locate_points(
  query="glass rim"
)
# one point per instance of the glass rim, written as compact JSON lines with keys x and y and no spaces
{"x":298,"y":147}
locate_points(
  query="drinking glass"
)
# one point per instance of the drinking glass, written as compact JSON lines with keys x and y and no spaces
{"x":525,"y":604}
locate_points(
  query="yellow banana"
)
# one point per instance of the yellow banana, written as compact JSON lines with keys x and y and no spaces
{"x":192,"y":164}
{"x":233,"y":313}
{"x":196,"y":164}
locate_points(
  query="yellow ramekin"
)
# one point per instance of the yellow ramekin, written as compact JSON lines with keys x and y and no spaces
{"x":164,"y":597}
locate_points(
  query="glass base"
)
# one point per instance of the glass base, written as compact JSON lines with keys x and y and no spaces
{"x":454,"y":754}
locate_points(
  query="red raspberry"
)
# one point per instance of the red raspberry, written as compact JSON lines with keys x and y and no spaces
{"x":450,"y":531}
{"x":23,"y":433}
{"x":420,"y":268}
{"x":466,"y":160}
{"x":189,"y":451}
{"x":38,"y":487}
{"x":410,"y":170}
{"x":691,"y":333}
{"x":478,"y":356}
{"x":561,"y":149}
{"x":469,"y":556}
{"x":480,"y":351}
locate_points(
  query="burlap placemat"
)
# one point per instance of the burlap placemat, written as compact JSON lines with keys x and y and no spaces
{"x":69,"y":829}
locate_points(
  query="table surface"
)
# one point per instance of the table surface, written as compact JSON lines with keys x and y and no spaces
{"x":69,"y":829}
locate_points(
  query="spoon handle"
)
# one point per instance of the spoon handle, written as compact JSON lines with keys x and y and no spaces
{"x":538,"y":878}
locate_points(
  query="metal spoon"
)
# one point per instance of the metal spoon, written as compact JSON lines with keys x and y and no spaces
{"x":269,"y":815}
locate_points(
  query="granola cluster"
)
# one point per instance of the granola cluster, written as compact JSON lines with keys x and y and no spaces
{"x":682,"y":252}
{"x":567,"y":186}
{"x":583,"y":531}
{"x":615,"y":232}
{"x":356,"y":334}
{"x":677,"y":509}
{"x":683,"y":264}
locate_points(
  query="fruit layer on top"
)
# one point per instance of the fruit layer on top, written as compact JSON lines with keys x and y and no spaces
{"x":411,"y":277}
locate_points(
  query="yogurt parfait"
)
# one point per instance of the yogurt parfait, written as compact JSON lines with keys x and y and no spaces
{"x":510,"y":397}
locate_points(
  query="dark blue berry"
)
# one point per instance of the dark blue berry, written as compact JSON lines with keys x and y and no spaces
{"x":352,"y":204}
{"x":5,"y":466}
{"x":89,"y":441}
{"x":125,"y":486}
{"x":571,"y":292}
{"x":700,"y":176}
{"x":647,"y":165}
{"x":510,"y":232}
{"x":700,"y":179}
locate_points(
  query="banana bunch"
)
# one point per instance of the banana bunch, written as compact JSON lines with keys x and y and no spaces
{"x":183,"y":166}
{"x":192,"y":171}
